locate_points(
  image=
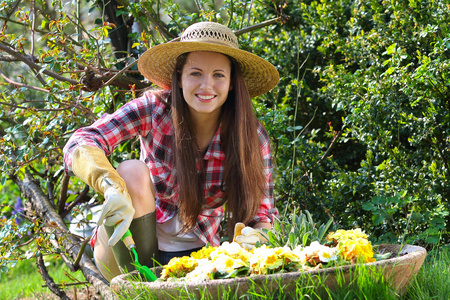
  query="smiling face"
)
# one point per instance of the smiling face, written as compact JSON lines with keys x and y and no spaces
{"x":205,"y":81}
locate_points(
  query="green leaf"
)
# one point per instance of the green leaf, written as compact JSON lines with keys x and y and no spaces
{"x":292,"y":239}
{"x":368,"y":206}
{"x":305,"y":239}
{"x":391,"y":49}
{"x":323,"y":229}
{"x":390,"y":70}
{"x":379,"y":256}
{"x":378,"y":219}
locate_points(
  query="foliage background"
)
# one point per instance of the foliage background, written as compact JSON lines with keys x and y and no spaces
{"x":359,"y":121}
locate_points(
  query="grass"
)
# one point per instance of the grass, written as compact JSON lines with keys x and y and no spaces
{"x":24,"y":280}
{"x":433,"y":279}
{"x":362,"y":286}
{"x":432,"y":282}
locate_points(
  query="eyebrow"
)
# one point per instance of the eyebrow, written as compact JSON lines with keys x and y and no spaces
{"x":196,"y":68}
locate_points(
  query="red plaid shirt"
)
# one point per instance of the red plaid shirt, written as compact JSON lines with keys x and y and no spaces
{"x":148,"y":118}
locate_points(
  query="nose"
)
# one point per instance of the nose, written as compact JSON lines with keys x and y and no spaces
{"x":207,"y":82}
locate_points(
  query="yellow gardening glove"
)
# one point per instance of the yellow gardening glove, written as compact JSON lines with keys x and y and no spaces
{"x":91,"y":165}
{"x":247,"y":237}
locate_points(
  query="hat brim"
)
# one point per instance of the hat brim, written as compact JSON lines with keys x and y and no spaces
{"x":157,"y":65}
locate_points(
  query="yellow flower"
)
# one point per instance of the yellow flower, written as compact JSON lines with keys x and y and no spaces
{"x":265,"y":259}
{"x":203,"y":253}
{"x":233,"y":250}
{"x":356,"y":249}
{"x":179,"y":267}
{"x":346,"y":234}
{"x":353,"y":245}
{"x":290,"y":256}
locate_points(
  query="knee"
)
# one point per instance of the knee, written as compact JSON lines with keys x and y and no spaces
{"x":139,"y":185}
{"x":135,"y":173}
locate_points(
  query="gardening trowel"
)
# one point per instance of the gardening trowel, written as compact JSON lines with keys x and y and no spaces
{"x":143,"y":270}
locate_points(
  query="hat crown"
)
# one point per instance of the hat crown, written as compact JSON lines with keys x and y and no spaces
{"x":210,"y":32}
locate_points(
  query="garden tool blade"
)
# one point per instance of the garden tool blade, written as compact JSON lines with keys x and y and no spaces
{"x":143,"y":270}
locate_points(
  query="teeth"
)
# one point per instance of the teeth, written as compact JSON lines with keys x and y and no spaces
{"x":203,"y":97}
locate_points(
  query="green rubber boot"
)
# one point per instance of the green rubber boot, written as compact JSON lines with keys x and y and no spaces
{"x":143,"y":230}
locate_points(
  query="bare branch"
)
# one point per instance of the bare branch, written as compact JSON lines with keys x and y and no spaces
{"x":22,"y":84}
{"x":10,"y":58}
{"x":7,"y":19}
{"x":282,"y":18}
{"x":332,"y":144}
{"x":63,"y":193}
{"x":33,"y":65}
{"x":94,"y":83}
{"x":120,"y":72}
{"x":80,"y":198}
{"x":33,"y":29}
{"x":68,"y":284}
{"x":49,"y":282}
{"x":37,"y":109}
{"x":161,"y":28}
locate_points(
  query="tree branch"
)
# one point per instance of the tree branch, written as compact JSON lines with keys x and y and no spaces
{"x":35,"y":66}
{"x":332,"y":144}
{"x":63,"y":194}
{"x":75,"y":202}
{"x":22,"y":84}
{"x":36,"y":109}
{"x":33,"y":30}
{"x":8,"y":15}
{"x":40,"y":203}
{"x":282,"y":18}
{"x":120,"y":73}
{"x":49,"y":282}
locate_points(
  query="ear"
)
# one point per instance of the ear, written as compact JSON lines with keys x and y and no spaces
{"x":230,"y":88}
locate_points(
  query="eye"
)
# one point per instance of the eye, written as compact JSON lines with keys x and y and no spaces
{"x":196,"y":73}
{"x":220,"y":75}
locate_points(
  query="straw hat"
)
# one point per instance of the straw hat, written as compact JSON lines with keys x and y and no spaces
{"x":157,"y":63}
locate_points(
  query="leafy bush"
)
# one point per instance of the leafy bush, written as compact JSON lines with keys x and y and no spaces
{"x":372,"y":76}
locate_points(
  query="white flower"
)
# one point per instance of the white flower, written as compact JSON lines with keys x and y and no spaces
{"x":226,"y":264}
{"x":201,"y":273}
{"x":324,"y":253}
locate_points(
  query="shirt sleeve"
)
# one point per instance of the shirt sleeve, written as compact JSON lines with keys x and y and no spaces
{"x":267,"y":210}
{"x":131,"y":120}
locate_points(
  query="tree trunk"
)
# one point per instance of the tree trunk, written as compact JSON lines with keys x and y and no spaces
{"x":118,"y":35}
{"x":38,"y":204}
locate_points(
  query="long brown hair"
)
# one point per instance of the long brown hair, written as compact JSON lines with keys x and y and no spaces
{"x":243,"y":181}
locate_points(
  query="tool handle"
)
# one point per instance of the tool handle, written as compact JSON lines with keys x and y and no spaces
{"x":128,"y":240}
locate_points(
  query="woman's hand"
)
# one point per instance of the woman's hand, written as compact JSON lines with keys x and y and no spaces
{"x":117,"y":210}
{"x":248,"y":237}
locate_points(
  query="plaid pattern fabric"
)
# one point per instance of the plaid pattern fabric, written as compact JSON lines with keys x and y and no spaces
{"x":148,"y":118}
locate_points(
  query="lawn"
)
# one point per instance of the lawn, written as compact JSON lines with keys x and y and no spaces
{"x":24,"y":280}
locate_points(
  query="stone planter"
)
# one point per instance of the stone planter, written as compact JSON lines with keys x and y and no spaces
{"x":403,"y":265}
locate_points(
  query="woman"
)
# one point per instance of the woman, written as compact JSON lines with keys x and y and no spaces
{"x":201,"y":148}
